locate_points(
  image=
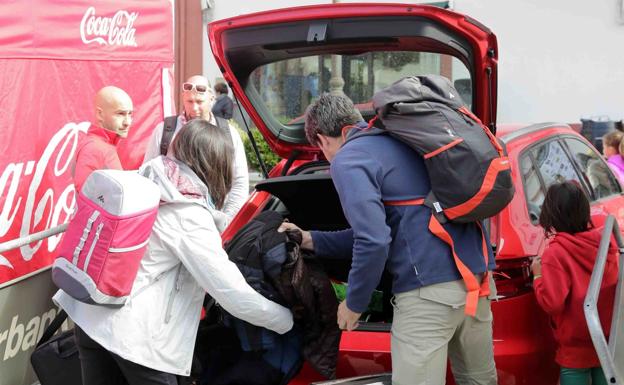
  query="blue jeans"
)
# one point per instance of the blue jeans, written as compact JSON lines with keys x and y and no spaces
{"x":582,"y":376}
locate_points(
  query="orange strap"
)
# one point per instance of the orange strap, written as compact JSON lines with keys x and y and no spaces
{"x":496,"y":166}
{"x":474,"y":290}
{"x":346,"y":129}
{"x":464,"y":110}
{"x":470,"y":280}
{"x":372,"y":121}
{"x":443,"y":148}
{"x":407,"y":202}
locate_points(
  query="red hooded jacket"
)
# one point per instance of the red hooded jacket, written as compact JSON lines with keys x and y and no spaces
{"x":567,"y":264}
{"x":97,"y":151}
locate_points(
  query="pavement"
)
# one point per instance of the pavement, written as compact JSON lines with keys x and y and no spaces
{"x":254,"y":177}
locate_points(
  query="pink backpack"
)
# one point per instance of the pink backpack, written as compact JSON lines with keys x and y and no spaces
{"x":107,"y":237}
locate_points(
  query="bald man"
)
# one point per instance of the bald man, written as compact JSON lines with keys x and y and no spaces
{"x":98,"y":150}
{"x":198,"y":99}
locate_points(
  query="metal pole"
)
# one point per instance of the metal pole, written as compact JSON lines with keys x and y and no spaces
{"x":607,"y":352}
{"x":35,"y":237}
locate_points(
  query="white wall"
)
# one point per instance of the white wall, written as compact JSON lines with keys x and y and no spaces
{"x":559,"y":60}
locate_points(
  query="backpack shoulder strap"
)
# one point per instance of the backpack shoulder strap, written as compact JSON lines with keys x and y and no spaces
{"x":222,"y":123}
{"x":169,"y":127}
{"x":53,"y":327}
{"x":225,"y":126}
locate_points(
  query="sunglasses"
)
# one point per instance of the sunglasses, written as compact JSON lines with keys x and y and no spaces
{"x":199,"y":88}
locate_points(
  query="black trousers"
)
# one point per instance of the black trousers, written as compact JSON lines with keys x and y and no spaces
{"x":101,"y":367}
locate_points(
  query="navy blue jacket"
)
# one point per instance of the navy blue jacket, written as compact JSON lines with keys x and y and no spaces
{"x":223,"y":107}
{"x":367,"y":171}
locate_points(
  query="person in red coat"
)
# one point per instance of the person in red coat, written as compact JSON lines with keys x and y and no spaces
{"x":98,"y":149}
{"x":561,"y":278}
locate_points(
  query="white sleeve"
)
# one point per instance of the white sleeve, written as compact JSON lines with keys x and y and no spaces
{"x":153,"y":145}
{"x":201,"y":253}
{"x":240,"y":185}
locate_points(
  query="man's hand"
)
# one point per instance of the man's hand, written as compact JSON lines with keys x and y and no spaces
{"x":306,"y":241}
{"x":347,"y":319}
{"x":536,"y":267}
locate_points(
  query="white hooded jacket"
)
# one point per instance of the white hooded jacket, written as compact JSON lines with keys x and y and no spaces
{"x":157,"y":327}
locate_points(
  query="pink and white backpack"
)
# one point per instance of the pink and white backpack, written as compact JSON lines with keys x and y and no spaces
{"x":102,"y":248}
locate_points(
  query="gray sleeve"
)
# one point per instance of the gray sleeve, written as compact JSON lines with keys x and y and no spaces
{"x":153,"y":145}
{"x":240,"y":186}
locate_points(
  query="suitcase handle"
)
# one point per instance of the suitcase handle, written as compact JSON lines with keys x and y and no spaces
{"x":56,"y":346}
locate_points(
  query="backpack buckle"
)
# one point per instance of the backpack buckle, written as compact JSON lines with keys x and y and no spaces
{"x":436,"y":208}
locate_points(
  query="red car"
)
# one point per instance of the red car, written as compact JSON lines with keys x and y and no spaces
{"x":278,"y":61}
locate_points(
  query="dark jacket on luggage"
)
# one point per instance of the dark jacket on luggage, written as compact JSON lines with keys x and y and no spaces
{"x":273,"y":264}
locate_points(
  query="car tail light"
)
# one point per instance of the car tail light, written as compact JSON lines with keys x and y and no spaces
{"x":513,"y":277}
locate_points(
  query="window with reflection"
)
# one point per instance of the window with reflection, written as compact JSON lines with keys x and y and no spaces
{"x":553,"y":163}
{"x":542,"y":166}
{"x":594,"y":169}
{"x":533,"y":189}
{"x":287,"y":87}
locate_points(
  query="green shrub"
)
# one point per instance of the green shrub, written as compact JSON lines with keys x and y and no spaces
{"x":268,"y":156}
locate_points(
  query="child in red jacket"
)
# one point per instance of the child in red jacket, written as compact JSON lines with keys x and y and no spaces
{"x":562,"y":277}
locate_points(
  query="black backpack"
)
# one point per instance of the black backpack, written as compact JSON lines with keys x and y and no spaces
{"x":468,"y":167}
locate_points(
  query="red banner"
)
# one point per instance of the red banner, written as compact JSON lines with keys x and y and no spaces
{"x":54,"y":58}
{"x":87,"y":30}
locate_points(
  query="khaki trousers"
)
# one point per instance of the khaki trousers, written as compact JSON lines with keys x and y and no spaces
{"x":429,"y":324}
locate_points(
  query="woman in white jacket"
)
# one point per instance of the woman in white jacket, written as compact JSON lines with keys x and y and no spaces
{"x":151,"y":338}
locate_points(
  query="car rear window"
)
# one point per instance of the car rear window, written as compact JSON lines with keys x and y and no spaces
{"x":287,"y":87}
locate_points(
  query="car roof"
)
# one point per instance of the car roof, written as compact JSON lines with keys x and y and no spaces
{"x":510,"y":132}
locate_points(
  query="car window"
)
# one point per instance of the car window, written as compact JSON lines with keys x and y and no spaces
{"x":594,"y":169}
{"x":553,"y":163}
{"x":532,"y":187}
{"x":541,"y":166}
{"x":287,"y":87}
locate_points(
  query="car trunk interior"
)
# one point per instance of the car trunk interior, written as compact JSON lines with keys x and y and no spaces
{"x":309,"y":200}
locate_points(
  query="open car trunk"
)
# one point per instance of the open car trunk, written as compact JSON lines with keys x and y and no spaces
{"x":311,"y":202}
{"x":278,"y":62}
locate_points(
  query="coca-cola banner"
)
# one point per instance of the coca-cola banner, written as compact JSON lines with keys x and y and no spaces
{"x":54,"y":57}
{"x":71,"y":29}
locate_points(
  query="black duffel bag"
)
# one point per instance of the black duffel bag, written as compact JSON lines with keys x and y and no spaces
{"x":55,"y":359}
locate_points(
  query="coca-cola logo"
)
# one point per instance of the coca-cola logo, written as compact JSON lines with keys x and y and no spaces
{"x":115,"y":30}
{"x":41,"y":205}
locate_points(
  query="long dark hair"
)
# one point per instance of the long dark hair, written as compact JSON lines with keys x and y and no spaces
{"x":565,"y":209}
{"x":208,"y":152}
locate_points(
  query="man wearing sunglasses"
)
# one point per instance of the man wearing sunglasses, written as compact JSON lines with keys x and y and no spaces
{"x":198,"y":99}
{"x":98,"y":150}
